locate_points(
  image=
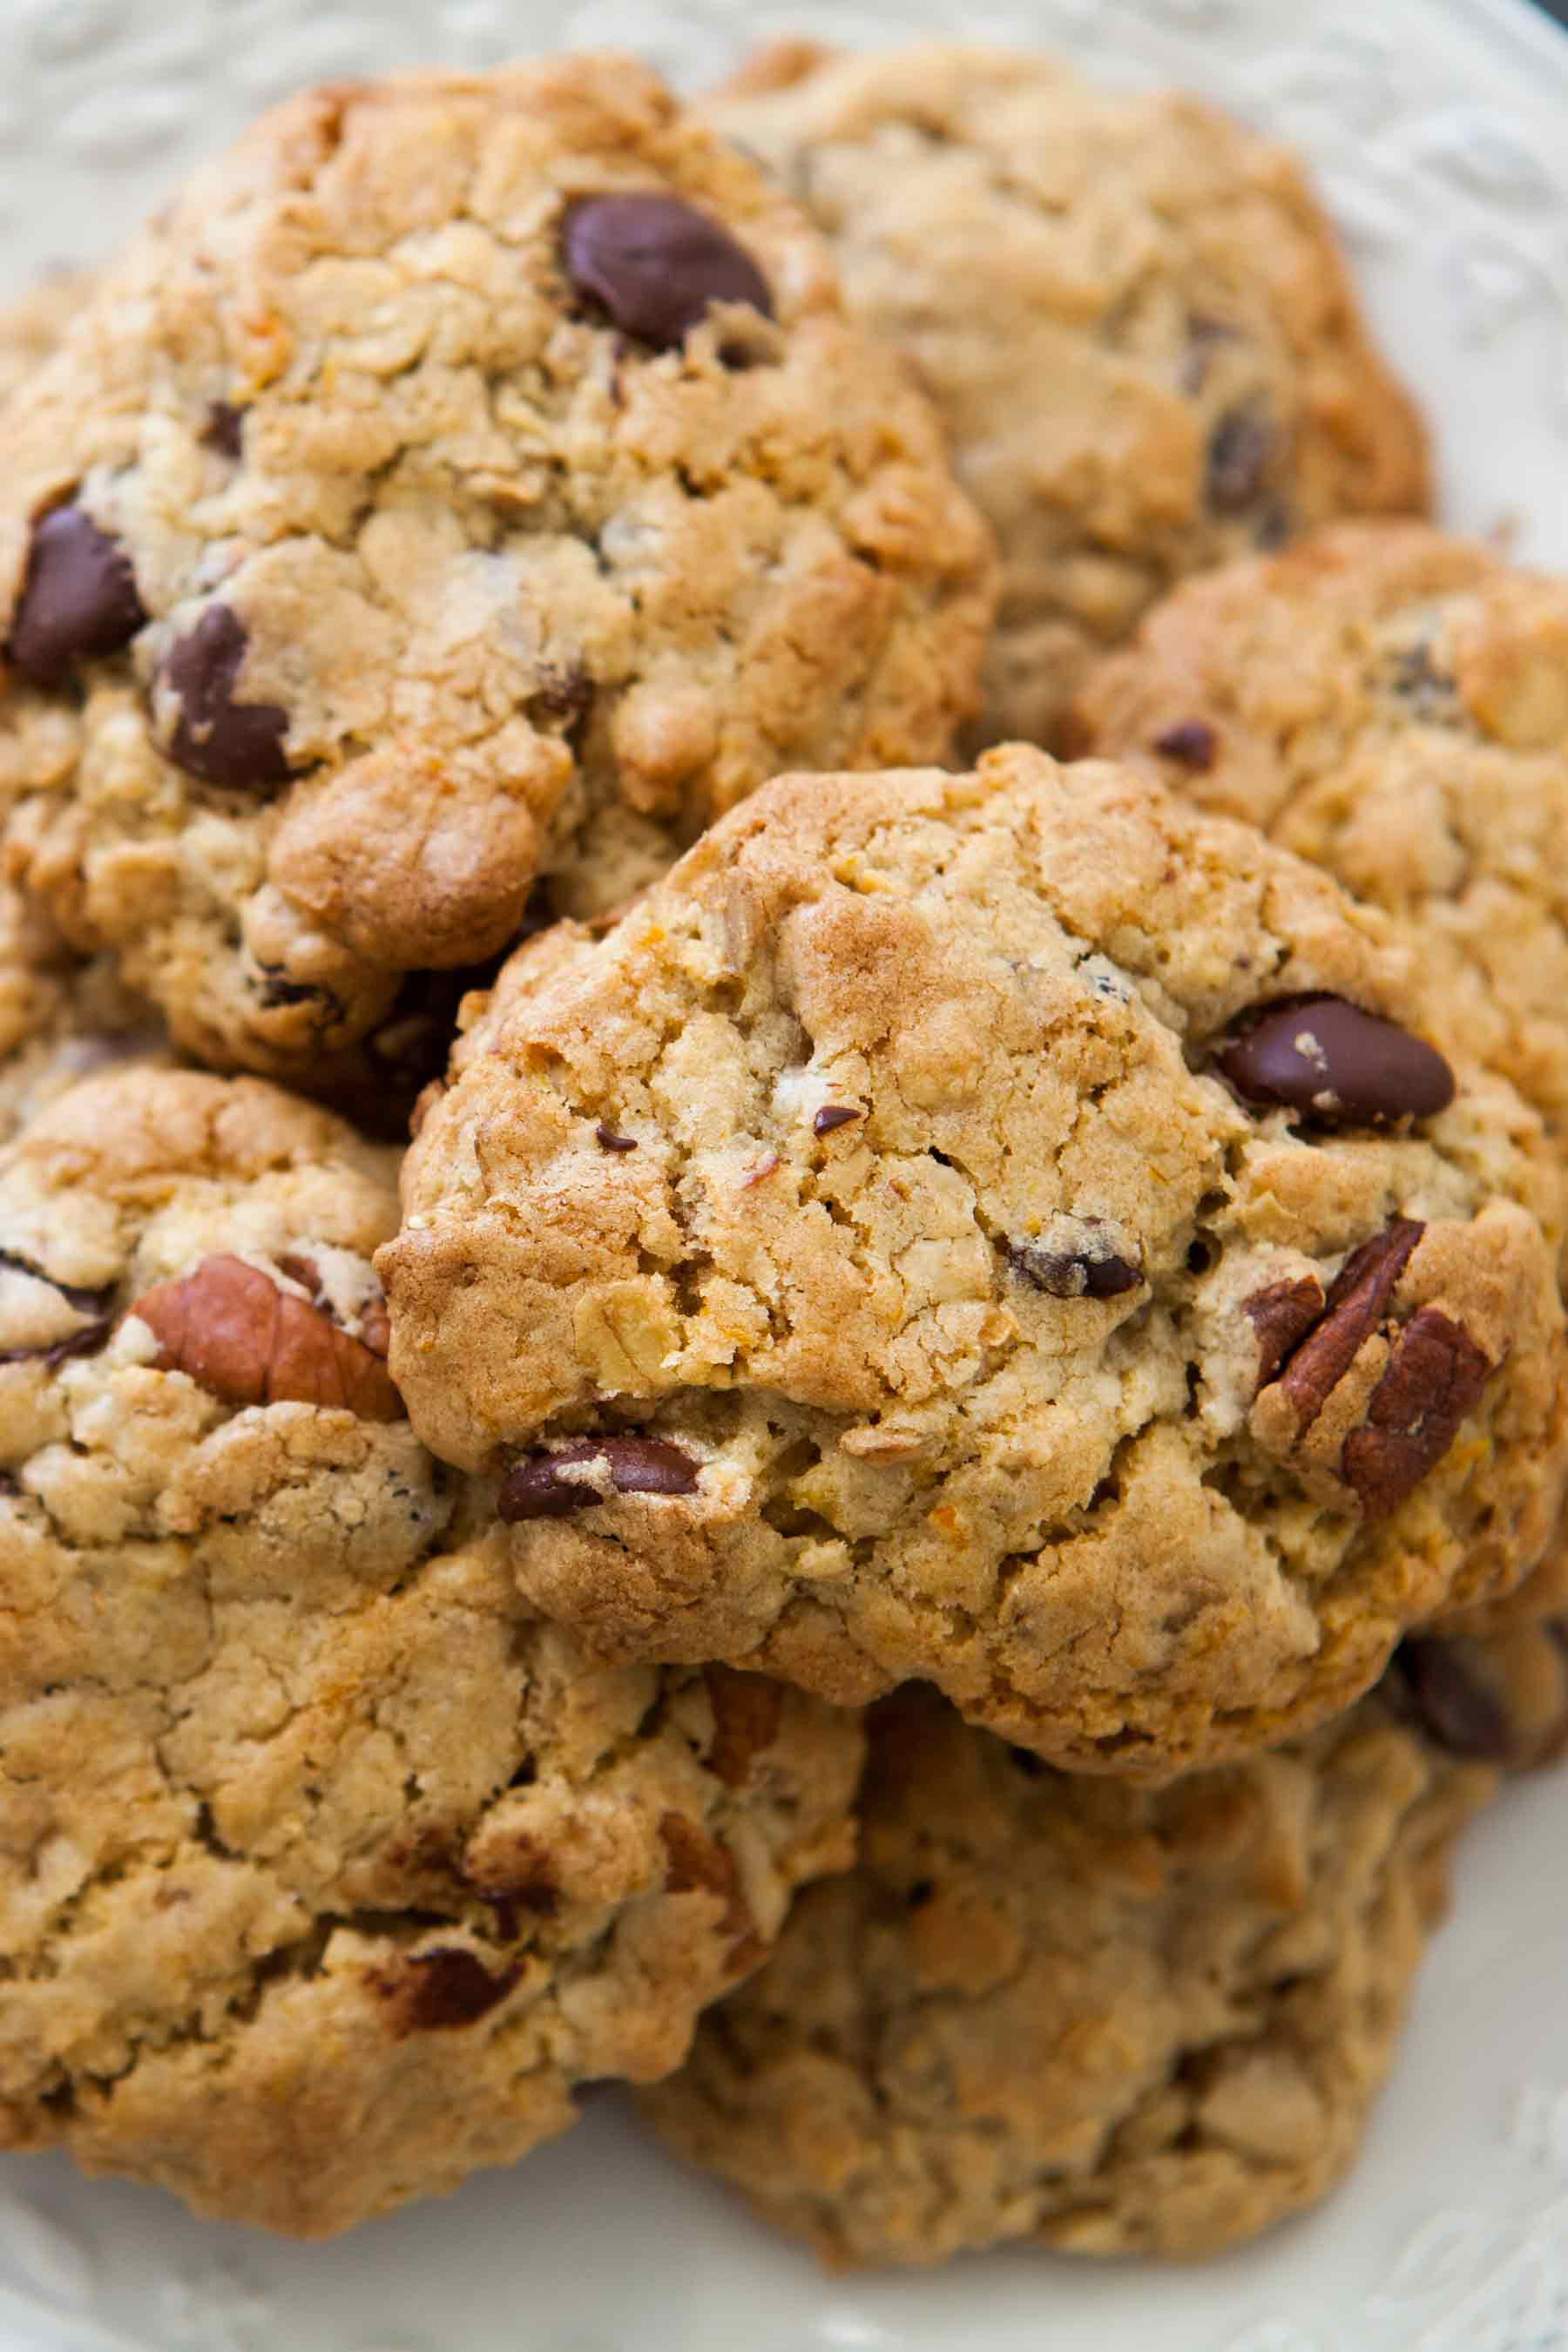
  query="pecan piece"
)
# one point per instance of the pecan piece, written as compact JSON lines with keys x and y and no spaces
{"x":747,"y":1712}
{"x":1353,"y":1311}
{"x":1434,"y":1377}
{"x":1282,"y":1315}
{"x":693,"y":1860}
{"x":231,"y":1329}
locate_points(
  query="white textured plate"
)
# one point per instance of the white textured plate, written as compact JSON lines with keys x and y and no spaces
{"x":1436,"y":128}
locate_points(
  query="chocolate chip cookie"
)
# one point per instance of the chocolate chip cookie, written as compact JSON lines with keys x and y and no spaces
{"x":468,"y":479}
{"x":1130,"y":312}
{"x":1063,"y":2009}
{"x":1009,"y":1230}
{"x":327,"y":1871}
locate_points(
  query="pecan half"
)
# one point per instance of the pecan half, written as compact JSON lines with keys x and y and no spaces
{"x":747,"y":1712}
{"x":1353,"y":1311}
{"x":1434,"y":1377}
{"x":236,"y":1333}
{"x":1431,"y":1378}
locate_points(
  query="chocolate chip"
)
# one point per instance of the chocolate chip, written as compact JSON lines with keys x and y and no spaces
{"x":1453,"y":1705}
{"x":85,"y":1299}
{"x":656,"y":265}
{"x":1239,"y":450}
{"x":237,"y":745}
{"x":79,"y":600}
{"x":1322,"y":1056}
{"x":449,"y":1987}
{"x":832,"y":1114}
{"x":1192,"y":744}
{"x":611,"y":1141}
{"x":224,"y":430}
{"x":564,"y":694}
{"x":1282,"y":1315}
{"x":85,"y":1342}
{"x":1074,"y":1274}
{"x":1434,"y":1379}
{"x":1415,"y":678}
{"x":1355,"y":1305}
{"x":638,"y":1465}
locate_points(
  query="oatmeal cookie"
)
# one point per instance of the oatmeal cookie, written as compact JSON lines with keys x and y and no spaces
{"x":467,"y":479}
{"x":1130,"y":312}
{"x":327,"y":1871}
{"x":1063,"y":2009}
{"x":1007,"y":1229}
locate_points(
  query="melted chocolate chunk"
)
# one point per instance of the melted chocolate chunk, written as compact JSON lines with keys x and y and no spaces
{"x":1452,"y":1705}
{"x":656,"y":265}
{"x":449,"y":1986}
{"x":97,"y":1303}
{"x":1239,"y":450}
{"x":79,"y":600}
{"x":1192,"y":744}
{"x":638,"y":1465}
{"x":831,"y":1115}
{"x":224,"y":430}
{"x":1074,"y":1274}
{"x":237,"y":746}
{"x":1327,"y":1058}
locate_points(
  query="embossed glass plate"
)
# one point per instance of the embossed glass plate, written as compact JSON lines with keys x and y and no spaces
{"x":1435,"y":127}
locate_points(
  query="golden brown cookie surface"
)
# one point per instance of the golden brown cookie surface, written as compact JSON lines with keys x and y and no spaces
{"x":1005,"y":1229}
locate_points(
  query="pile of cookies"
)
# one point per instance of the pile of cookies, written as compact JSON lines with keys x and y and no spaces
{"x":706,"y":1376}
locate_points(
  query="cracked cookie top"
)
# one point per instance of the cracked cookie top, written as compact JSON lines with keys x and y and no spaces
{"x":467,"y":479}
{"x":1130,"y":312}
{"x":289,"y":1767}
{"x":1006,"y":1229}
{"x":1063,"y":2009}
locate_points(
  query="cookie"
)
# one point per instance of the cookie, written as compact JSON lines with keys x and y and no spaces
{"x":1006,"y":1230}
{"x":469,"y":480}
{"x":1062,"y":2010}
{"x":61,"y":1017}
{"x":1393,"y":705}
{"x":1130,"y":312}
{"x":327,"y":1871}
